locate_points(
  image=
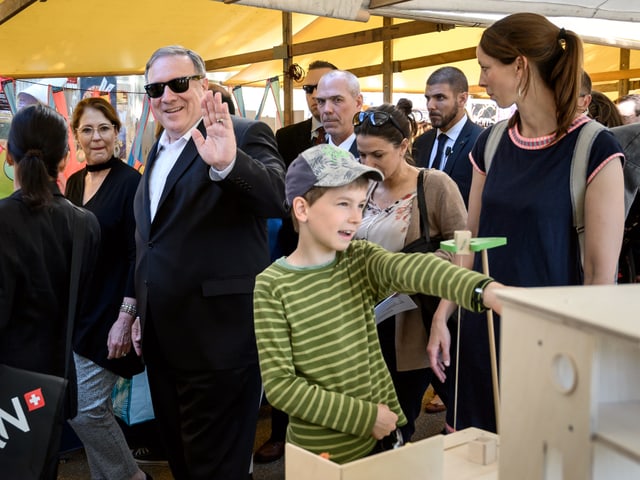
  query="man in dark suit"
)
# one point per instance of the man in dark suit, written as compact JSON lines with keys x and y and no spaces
{"x":292,"y":140}
{"x":339,"y":99}
{"x":210,"y":182}
{"x":297,"y":137}
{"x":447,"y":145}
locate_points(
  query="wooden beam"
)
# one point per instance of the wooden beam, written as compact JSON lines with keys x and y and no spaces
{"x":287,"y":29}
{"x":387,"y":64}
{"x":625,"y":59}
{"x":401,"y":30}
{"x":615,"y":75}
{"x":10,"y":8}
{"x":419,"y":62}
{"x":384,"y":3}
{"x":613,"y":86}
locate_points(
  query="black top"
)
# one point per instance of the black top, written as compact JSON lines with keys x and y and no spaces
{"x":35,"y":263}
{"x":112,"y":204}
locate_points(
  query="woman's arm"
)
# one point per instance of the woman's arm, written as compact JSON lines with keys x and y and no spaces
{"x":438,"y":348}
{"x":604,"y":224}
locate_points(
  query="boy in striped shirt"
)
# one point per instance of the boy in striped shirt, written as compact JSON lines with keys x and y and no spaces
{"x":314,"y":310}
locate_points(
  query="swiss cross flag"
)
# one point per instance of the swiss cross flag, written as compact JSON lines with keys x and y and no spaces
{"x":34,"y":399}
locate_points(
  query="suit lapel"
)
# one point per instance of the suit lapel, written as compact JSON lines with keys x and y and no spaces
{"x":354,"y":150}
{"x":145,"y":222}
{"x":430,"y":140}
{"x":458,"y":146}
{"x":185,"y":160}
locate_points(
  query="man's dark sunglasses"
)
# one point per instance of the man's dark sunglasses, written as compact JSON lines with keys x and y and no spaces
{"x":377,"y":119}
{"x":308,"y":89}
{"x":177,"y":85}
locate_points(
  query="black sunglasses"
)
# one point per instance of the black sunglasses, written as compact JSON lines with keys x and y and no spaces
{"x":377,"y":119}
{"x":308,"y":89}
{"x":177,"y":85}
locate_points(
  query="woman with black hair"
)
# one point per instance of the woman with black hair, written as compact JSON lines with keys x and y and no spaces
{"x":36,"y":244}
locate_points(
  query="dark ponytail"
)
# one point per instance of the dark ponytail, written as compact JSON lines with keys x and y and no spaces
{"x":34,"y":179}
{"x":37,"y":144}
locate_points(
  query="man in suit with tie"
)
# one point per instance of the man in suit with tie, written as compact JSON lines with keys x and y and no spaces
{"x":447,"y":145}
{"x":339,"y":99}
{"x":297,"y":137}
{"x":210,"y":182}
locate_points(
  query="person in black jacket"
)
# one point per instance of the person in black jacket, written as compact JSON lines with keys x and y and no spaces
{"x":210,"y":182}
{"x":36,"y":234}
{"x":447,"y":145}
{"x":102,"y":336}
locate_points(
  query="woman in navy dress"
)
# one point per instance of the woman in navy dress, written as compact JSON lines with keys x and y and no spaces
{"x":526,"y":60}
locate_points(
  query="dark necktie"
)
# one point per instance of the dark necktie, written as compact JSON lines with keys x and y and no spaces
{"x":438,"y":160}
{"x":320,"y":137}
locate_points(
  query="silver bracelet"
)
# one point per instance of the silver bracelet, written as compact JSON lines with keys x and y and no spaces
{"x":129,"y":308}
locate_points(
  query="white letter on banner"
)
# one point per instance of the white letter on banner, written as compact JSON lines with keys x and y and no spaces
{"x":19,"y":421}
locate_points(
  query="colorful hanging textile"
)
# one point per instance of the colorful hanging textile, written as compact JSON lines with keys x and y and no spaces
{"x":237,"y":94}
{"x":135,"y":154}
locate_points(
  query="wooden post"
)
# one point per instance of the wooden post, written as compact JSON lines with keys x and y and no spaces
{"x":480,"y":245}
{"x":625,"y":59}
{"x":387,"y":63}
{"x":287,"y":38}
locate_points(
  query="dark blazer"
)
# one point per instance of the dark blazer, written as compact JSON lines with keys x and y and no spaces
{"x":197,"y":261}
{"x":458,"y":166}
{"x":35,"y":261}
{"x":294,"y":139}
{"x":629,"y":138}
{"x":354,"y":149}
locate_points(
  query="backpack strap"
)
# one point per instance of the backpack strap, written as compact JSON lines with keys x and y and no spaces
{"x":579,"y":162}
{"x":492,"y":142}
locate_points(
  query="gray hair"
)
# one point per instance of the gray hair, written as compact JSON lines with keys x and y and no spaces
{"x":353,"y":85}
{"x":175,"y":51}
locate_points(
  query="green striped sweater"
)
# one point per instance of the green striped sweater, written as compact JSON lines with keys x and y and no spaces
{"x":319,"y":353}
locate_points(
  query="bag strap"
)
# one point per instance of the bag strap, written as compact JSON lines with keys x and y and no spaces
{"x":422,"y":206}
{"x":77,"y":247}
{"x":579,"y":162}
{"x":492,"y":143}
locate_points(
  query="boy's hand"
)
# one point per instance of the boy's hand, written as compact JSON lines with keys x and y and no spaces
{"x":385,"y":422}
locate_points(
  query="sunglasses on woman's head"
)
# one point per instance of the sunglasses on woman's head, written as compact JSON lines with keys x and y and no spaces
{"x":377,"y":119}
{"x":177,"y":85}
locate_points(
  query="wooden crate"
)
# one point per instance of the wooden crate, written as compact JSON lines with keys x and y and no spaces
{"x":421,"y":460}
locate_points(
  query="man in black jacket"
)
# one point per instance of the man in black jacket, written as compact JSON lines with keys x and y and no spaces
{"x":447,"y":145}
{"x":210,"y":182}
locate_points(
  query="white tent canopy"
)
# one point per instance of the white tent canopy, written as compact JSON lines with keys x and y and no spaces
{"x":597,"y":21}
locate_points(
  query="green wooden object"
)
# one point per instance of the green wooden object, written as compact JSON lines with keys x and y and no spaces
{"x":476,"y":244}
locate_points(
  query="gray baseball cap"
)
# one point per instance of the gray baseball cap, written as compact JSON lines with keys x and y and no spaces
{"x":324,"y":166}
